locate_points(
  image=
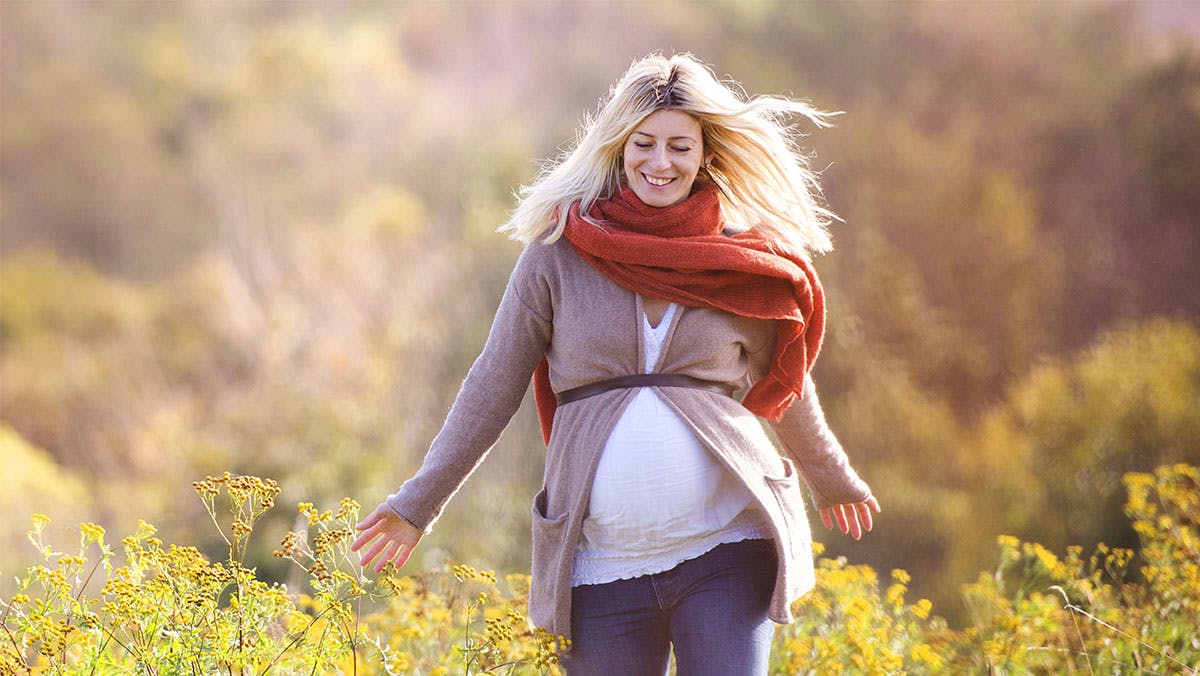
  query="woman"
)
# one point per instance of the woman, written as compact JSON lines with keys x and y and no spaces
{"x":666,"y":267}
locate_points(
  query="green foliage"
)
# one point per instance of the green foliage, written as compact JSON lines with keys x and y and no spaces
{"x":1039,"y":612}
{"x":168,"y":609}
{"x":846,"y":625}
{"x":1128,"y":404}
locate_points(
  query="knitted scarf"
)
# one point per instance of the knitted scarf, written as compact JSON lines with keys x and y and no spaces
{"x":678,"y":254}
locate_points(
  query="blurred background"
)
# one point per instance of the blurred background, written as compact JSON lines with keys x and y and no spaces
{"x":259,"y":237}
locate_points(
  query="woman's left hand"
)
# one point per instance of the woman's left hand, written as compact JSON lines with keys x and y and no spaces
{"x":852,"y":517}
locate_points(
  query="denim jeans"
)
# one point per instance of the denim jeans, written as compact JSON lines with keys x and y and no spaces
{"x":712,"y":610}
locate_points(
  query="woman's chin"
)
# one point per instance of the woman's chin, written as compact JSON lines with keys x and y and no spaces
{"x":658,"y":198}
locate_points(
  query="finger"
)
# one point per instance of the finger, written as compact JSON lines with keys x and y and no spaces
{"x":371,"y":520}
{"x":391,"y":551}
{"x":402,"y":555}
{"x":852,"y":521}
{"x":874,"y":504}
{"x":373,"y":531}
{"x":360,"y":541}
{"x":840,"y":512}
{"x":864,"y":515}
{"x":826,"y":519}
{"x":366,"y":558}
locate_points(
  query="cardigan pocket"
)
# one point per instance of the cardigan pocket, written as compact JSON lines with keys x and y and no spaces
{"x":548,"y":535}
{"x":791,"y":506}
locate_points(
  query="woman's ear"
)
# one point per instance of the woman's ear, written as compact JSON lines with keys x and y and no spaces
{"x":708,"y":160}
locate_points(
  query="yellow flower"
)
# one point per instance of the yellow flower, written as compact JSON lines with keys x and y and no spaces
{"x":923,"y":653}
{"x":347,"y":507}
{"x":399,"y":662}
{"x":1048,"y":561}
{"x":90,"y":532}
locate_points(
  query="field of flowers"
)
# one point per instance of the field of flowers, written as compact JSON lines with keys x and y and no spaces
{"x":147,"y":607}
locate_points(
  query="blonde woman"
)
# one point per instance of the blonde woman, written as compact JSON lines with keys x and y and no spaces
{"x":664,"y":303}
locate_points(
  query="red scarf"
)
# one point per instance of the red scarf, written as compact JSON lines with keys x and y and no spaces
{"x":678,"y":253}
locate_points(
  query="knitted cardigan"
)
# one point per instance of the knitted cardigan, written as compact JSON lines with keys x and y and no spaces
{"x":589,"y":329}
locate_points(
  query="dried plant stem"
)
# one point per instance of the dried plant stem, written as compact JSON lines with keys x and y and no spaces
{"x":1076,"y":609}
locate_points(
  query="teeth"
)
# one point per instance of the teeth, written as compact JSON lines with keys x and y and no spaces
{"x":657,"y":181}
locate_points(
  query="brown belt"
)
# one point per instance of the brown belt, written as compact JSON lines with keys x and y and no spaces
{"x":642,"y":380}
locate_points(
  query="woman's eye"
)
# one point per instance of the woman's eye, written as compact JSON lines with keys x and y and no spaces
{"x":643,"y":144}
{"x":681,"y":150}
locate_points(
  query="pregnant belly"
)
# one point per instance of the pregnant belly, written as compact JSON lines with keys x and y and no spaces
{"x":655,"y":481}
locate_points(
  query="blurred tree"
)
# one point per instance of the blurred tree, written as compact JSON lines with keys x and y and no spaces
{"x":1050,"y":459}
{"x":1159,"y":231}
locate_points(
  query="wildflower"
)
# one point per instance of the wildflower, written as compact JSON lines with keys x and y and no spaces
{"x":208,"y":487}
{"x":1047,"y":560}
{"x":496,"y":631}
{"x":320,"y":571}
{"x":346,"y":508}
{"x":289,"y":546}
{"x":399,"y":662}
{"x":325,"y":541}
{"x":924,"y":653}
{"x":90,"y":532}
{"x":1009,"y":547}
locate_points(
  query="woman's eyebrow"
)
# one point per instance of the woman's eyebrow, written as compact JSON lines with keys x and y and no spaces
{"x":671,"y":138}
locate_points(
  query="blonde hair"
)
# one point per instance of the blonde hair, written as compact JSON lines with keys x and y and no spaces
{"x":764,"y":180}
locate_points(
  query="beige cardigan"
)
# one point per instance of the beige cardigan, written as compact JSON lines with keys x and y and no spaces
{"x":589,"y":329}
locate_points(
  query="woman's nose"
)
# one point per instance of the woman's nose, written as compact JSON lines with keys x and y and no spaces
{"x":658,"y":159}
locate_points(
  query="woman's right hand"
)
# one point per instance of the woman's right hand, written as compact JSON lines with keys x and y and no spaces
{"x":392,"y":538}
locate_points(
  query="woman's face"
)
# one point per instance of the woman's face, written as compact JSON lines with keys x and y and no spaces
{"x":662,"y":157}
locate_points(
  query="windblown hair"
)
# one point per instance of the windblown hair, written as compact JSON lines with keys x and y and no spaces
{"x":763,"y":178}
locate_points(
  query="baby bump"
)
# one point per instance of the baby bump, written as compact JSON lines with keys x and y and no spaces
{"x":654,"y":478}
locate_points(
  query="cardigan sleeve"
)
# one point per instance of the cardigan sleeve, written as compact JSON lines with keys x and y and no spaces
{"x":490,"y":394}
{"x":822,"y":461}
{"x":806,"y":438}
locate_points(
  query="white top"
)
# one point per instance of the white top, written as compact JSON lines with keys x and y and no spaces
{"x":658,"y":497}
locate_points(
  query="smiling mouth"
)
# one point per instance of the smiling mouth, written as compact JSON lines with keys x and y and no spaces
{"x":657,"y":181}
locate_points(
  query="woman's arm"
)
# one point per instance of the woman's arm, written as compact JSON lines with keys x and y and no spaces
{"x":840,"y":495}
